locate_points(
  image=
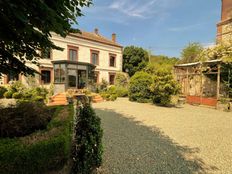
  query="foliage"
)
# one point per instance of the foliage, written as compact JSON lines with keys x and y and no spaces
{"x":221,"y":51}
{"x":191,"y":53}
{"x":134,"y":59}
{"x":41,"y":151}
{"x":110,"y":94}
{"x":2,"y":91}
{"x":24,"y":22}
{"x":8,"y":94}
{"x":121,"y":91}
{"x":23,"y":119}
{"x":102,"y":86}
{"x":87,"y":151}
{"x":139,"y":87}
{"x":163,"y":87}
{"x":160,"y":62}
{"x":121,"y":79}
{"x":17,"y":95}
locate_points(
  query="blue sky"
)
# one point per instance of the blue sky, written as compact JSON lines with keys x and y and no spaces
{"x":162,"y":26}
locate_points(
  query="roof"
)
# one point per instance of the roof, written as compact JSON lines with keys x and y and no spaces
{"x":96,"y":38}
{"x":198,"y":63}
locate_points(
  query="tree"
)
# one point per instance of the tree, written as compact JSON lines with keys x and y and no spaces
{"x":26,"y":27}
{"x":134,"y":59}
{"x":191,"y":52}
{"x":160,"y":62}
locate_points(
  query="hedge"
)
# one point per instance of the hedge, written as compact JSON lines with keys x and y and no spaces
{"x":41,"y":151}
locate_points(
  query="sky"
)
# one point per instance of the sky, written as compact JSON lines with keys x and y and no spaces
{"x":161,"y":26}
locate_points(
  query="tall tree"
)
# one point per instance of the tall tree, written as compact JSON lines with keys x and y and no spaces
{"x":191,"y":52}
{"x":134,"y":59}
{"x":26,"y":27}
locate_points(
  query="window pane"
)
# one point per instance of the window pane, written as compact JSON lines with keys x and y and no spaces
{"x":72,"y":78}
{"x":111,"y":79}
{"x":57,"y":73}
{"x":46,"y":76}
{"x":62,"y":73}
{"x":72,"y":55}
{"x":94,"y":58}
{"x":112,"y":61}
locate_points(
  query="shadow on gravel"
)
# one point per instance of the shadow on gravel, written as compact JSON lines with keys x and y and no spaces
{"x":131,"y":148}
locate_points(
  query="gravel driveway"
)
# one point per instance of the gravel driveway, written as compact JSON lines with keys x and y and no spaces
{"x":146,"y":139}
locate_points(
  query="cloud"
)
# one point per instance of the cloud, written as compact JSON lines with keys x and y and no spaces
{"x":184,"y":28}
{"x":125,"y":11}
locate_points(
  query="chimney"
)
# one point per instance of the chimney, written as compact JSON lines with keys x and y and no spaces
{"x":96,"y":31}
{"x":114,"y":37}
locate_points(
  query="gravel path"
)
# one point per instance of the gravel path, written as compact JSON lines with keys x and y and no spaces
{"x":146,"y":139}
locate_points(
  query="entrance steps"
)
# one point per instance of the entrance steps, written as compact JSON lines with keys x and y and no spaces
{"x":58,"y":100}
{"x":97,"y":98}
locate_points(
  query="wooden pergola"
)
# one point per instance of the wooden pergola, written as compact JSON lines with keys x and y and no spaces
{"x":198,"y":71}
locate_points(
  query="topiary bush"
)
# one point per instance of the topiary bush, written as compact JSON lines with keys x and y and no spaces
{"x":110,"y":94}
{"x":87,"y":150}
{"x":163,"y":87}
{"x":23,"y":119}
{"x":2,"y":91}
{"x":121,"y":91}
{"x":139,"y":87}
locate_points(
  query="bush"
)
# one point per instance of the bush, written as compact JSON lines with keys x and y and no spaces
{"x":121,"y":91}
{"x":121,"y":79}
{"x":41,"y":151}
{"x":110,"y":94}
{"x":87,"y":150}
{"x":163,"y":87}
{"x":8,"y":94}
{"x":17,"y":95}
{"x":139,"y":87}
{"x":23,"y":119}
{"x":2,"y":91}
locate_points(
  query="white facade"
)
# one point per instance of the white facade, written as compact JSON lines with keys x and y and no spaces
{"x":84,"y":44}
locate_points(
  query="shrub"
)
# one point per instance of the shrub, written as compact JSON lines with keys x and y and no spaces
{"x":17,"y":95}
{"x":121,"y":91}
{"x":163,"y":87}
{"x":23,"y":119}
{"x":41,"y":151}
{"x":87,"y":150}
{"x":8,"y":94}
{"x":2,"y":91}
{"x":110,"y":94}
{"x":139,"y":87}
{"x":121,"y":79}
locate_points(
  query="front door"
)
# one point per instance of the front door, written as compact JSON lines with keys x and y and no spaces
{"x":72,"y":78}
{"x":82,"y":78}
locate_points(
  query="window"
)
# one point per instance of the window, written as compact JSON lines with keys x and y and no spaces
{"x":59,"y":73}
{"x":112,"y":60}
{"x":72,"y":53}
{"x":45,"y":76}
{"x":46,"y":54}
{"x":96,"y":77}
{"x":95,"y":57}
{"x":12,"y":77}
{"x":111,"y":79}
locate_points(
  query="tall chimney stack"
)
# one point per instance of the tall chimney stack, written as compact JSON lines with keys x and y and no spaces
{"x":96,"y":31}
{"x":114,"y":37}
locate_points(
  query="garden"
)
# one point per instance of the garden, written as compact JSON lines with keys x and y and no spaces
{"x":35,"y":138}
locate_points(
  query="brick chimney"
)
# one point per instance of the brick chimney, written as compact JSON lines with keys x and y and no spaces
{"x":114,"y":37}
{"x":96,"y":31}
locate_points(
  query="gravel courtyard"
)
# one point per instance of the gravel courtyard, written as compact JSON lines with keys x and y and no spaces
{"x":144,"y":139}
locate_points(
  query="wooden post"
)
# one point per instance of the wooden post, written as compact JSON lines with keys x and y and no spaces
{"x":187,"y":90}
{"x":201,"y":86}
{"x":218,"y":81}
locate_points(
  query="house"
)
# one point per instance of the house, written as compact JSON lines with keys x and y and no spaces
{"x":87,"y":58}
{"x":224,"y":27}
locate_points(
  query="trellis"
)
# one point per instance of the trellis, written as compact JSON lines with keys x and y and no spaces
{"x":198,"y":71}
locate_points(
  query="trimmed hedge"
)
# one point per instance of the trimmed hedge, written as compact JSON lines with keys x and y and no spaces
{"x":87,"y":150}
{"x":41,"y":151}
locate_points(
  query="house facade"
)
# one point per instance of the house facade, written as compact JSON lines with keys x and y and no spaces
{"x":86,"y":59}
{"x":224,"y":27}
